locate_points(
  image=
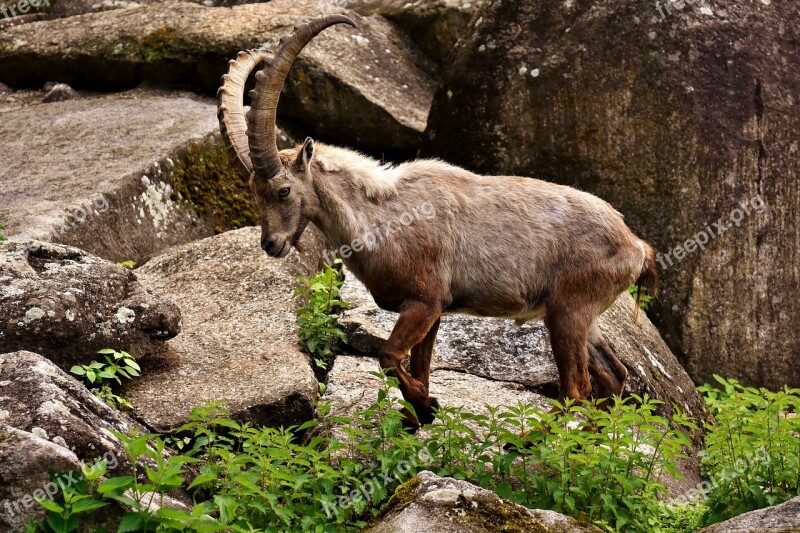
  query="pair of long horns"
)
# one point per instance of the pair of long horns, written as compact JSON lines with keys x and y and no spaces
{"x":251,"y":140}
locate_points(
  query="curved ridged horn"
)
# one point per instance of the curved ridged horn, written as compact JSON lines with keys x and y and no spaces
{"x":232,"y":122}
{"x":269,"y":82}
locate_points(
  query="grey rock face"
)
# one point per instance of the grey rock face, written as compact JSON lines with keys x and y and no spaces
{"x":25,"y":459}
{"x":445,"y":505}
{"x":365,"y":87}
{"x":783,"y":518}
{"x":239,"y":338}
{"x":677,"y":120}
{"x":66,"y":304}
{"x":434,"y":25}
{"x":352,"y":388}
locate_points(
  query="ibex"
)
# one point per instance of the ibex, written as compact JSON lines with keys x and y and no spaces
{"x":499,"y":246}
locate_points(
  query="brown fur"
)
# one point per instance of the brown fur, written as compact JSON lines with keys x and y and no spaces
{"x":500,"y":246}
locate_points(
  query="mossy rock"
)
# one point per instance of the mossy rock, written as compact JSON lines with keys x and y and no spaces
{"x":217,"y":191}
{"x":430,"y":503}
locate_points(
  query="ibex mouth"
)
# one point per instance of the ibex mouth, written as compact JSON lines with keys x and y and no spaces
{"x":285,"y":249}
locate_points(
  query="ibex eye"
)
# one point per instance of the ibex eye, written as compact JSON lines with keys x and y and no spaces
{"x":284,"y":192}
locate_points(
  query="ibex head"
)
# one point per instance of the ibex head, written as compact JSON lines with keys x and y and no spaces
{"x":280,"y":181}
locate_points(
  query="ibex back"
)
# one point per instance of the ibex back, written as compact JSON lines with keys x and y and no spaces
{"x":497,"y":246}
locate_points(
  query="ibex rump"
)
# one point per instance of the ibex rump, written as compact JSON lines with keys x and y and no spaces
{"x":508,"y":247}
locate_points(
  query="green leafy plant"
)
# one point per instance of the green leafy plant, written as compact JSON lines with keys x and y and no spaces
{"x":113,"y":400}
{"x":643,"y":298}
{"x":2,"y":233}
{"x":686,"y":518}
{"x":73,"y":501}
{"x":752,"y":455}
{"x":320,"y":332}
{"x":130,"y":265}
{"x":608,"y":475}
{"x":99,"y":375}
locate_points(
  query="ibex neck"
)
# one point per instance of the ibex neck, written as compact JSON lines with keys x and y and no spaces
{"x":350,"y":188}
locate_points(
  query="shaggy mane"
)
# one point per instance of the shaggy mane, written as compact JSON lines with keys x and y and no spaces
{"x":377,"y":180}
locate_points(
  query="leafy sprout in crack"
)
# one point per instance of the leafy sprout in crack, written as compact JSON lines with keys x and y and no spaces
{"x":101,"y":375}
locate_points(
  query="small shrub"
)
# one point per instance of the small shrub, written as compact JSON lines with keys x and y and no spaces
{"x":752,"y":455}
{"x":609,"y":477}
{"x":75,"y":499}
{"x":2,"y":233}
{"x":320,"y":332}
{"x":99,"y":375}
{"x":683,"y":518}
{"x":130,"y":264}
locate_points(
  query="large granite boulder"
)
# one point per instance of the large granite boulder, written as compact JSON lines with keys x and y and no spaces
{"x":367,"y":87}
{"x":445,"y":505}
{"x":783,"y":518}
{"x":434,"y":25}
{"x":686,"y":122}
{"x":66,"y":304}
{"x":352,"y":387}
{"x":48,"y":420}
{"x":239,"y":340}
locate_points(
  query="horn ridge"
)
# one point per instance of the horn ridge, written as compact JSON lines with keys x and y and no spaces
{"x":230,"y":107}
{"x":269,"y":82}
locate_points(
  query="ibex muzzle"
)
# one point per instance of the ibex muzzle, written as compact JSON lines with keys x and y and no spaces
{"x":501,"y":246}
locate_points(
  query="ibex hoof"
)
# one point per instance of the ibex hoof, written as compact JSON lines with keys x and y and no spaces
{"x":425,"y":413}
{"x":409,"y":421}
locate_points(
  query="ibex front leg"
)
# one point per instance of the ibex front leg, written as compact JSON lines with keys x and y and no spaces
{"x":421,"y":356}
{"x":416,"y":320}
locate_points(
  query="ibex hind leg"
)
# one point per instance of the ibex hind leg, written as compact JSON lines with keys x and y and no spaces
{"x":607,"y":371}
{"x":568,"y":338}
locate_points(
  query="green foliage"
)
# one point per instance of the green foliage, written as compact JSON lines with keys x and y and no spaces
{"x":2,"y":233}
{"x":113,"y":400}
{"x":752,"y":456}
{"x":598,"y":463}
{"x":73,"y":501}
{"x":644,"y":299}
{"x":130,"y":264}
{"x":320,"y":332}
{"x":264,"y":479}
{"x":683,"y":518}
{"x":333,"y":475}
{"x":607,"y":475}
{"x":98,"y":375}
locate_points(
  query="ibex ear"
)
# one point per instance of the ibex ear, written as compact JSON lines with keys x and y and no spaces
{"x":305,"y":154}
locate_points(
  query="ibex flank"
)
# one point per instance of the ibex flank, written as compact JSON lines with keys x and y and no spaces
{"x":498,"y":246}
